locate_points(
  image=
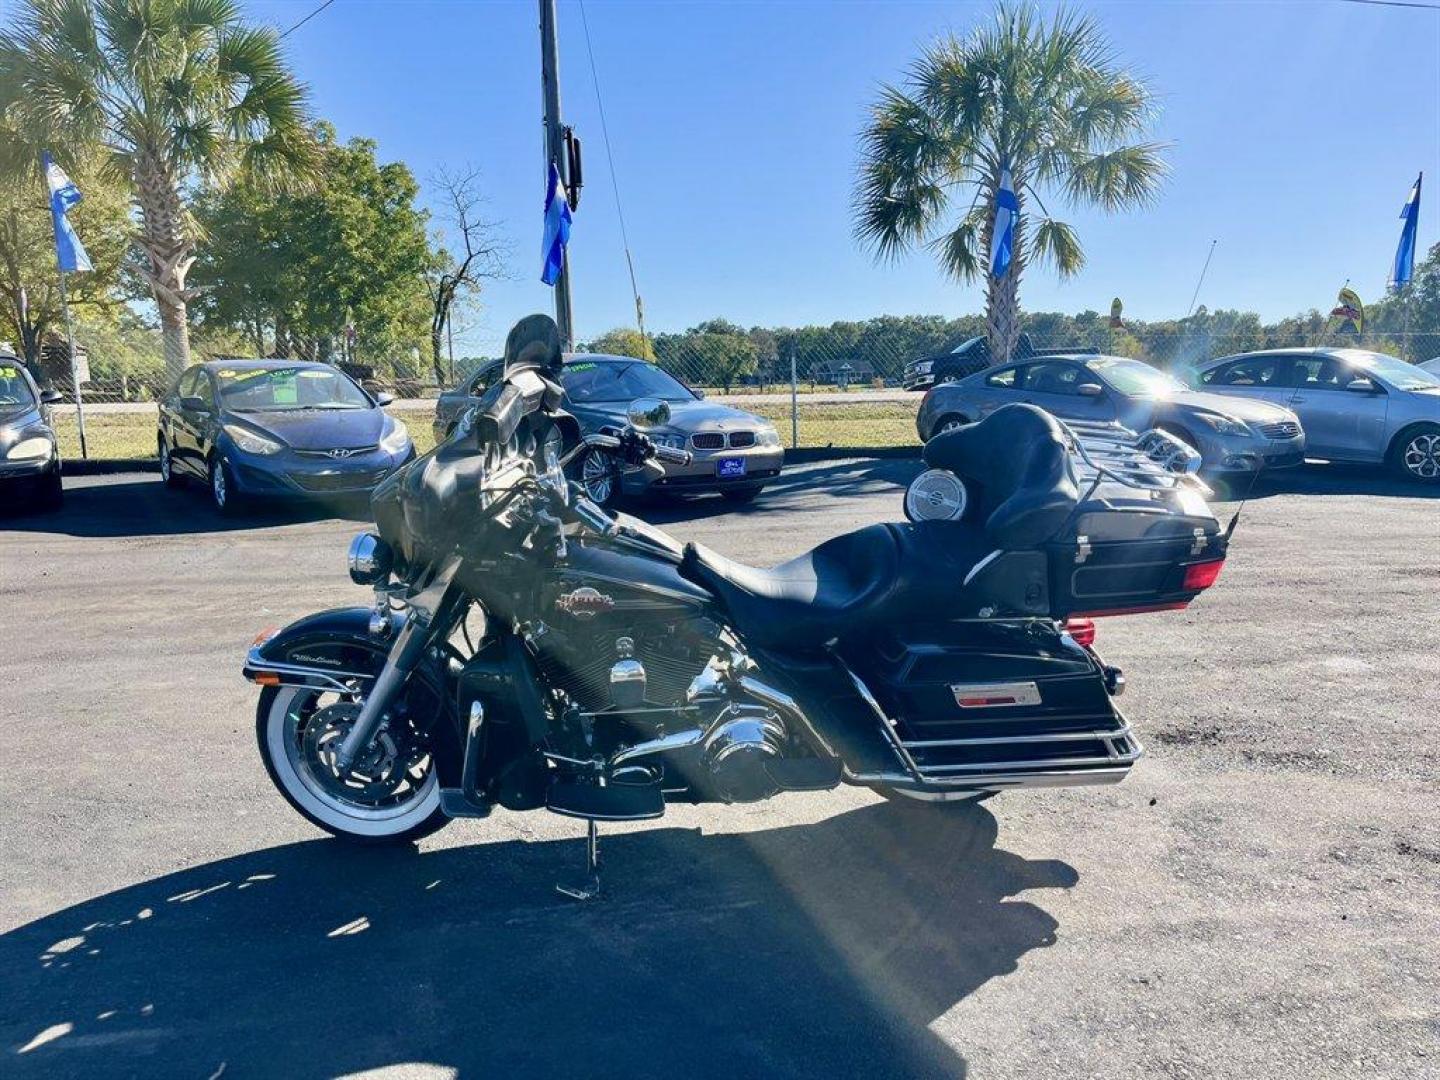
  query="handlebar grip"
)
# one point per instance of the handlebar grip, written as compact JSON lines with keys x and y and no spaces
{"x":673,"y":456}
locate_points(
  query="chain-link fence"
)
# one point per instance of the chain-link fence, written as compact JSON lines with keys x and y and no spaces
{"x":816,"y":392}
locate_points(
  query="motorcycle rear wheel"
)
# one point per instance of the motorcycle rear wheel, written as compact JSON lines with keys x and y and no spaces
{"x":397,"y":801}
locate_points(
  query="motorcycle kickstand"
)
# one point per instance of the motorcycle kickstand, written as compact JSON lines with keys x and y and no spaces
{"x":591,"y":889}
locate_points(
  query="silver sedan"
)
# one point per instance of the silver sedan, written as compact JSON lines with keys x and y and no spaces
{"x":1231,"y":436}
{"x":1356,"y":405}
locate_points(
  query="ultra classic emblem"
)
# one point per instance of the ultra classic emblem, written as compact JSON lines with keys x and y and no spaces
{"x":584,"y":603}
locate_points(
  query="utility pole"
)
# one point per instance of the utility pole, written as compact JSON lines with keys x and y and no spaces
{"x":555,"y":151}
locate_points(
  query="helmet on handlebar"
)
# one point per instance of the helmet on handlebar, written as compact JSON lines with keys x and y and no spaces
{"x":534,"y":343}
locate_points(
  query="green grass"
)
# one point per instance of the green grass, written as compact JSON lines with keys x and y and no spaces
{"x":114,"y":436}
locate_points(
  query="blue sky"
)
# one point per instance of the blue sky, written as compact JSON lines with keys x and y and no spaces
{"x":1297,"y":129}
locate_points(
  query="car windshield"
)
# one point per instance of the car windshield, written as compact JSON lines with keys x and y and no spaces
{"x":1397,"y":373}
{"x":597,"y":381}
{"x":15,"y":393}
{"x":285,"y":389}
{"x":1133,"y":378}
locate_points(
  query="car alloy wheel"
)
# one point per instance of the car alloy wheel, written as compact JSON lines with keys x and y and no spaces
{"x":597,"y":477}
{"x":1421,"y":456}
{"x":167,"y":465}
{"x":221,"y":494}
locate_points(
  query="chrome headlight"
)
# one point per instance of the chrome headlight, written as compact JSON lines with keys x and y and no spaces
{"x":675,"y":442}
{"x":767,"y":436}
{"x":396,"y":439}
{"x":35,"y":449}
{"x":370,"y":559}
{"x":925,"y":368}
{"x":252,"y":442}
{"x":1225,"y":425}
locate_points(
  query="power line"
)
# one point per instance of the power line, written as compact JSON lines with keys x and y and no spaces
{"x":306,"y":19}
{"x":1395,"y":3}
{"x":610,"y":159}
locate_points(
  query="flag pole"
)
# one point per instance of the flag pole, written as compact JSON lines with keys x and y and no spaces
{"x":74,"y":367}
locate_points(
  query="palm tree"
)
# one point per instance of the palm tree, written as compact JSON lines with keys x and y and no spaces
{"x":1044,"y":100}
{"x":177,"y":92}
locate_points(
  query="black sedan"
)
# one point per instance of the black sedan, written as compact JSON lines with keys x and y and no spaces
{"x":277,"y":429}
{"x":29,"y":455}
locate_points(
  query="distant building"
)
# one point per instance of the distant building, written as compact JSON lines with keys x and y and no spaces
{"x":851,"y":372}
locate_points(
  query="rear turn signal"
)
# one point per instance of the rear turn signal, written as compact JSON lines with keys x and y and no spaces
{"x":1202,"y":575}
{"x":1081,"y":630}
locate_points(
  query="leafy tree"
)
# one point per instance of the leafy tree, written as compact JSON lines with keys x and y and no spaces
{"x":29,"y":280}
{"x":1043,"y":99}
{"x":177,"y":92}
{"x":715,"y":353}
{"x":352,"y":251}
{"x":622,"y":341}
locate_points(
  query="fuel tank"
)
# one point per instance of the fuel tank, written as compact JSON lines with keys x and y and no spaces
{"x":599,"y":580}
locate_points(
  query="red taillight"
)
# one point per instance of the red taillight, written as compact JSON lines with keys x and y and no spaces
{"x":1082,"y":630}
{"x":1201,"y":575}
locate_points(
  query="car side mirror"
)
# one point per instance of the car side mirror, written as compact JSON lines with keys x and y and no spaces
{"x":1090,"y":389}
{"x":699,"y":394}
{"x":382,"y":399}
{"x":647,"y":413}
{"x":1361,"y":386}
{"x":51,"y":397}
{"x":192,"y":403}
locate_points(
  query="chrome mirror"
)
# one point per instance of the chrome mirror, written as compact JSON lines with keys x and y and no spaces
{"x":646,"y":413}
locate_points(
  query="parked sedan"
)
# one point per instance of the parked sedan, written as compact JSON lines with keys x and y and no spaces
{"x":1231,"y":435}
{"x":1356,"y":405}
{"x":29,"y":454}
{"x":733,"y":452}
{"x":277,"y":429}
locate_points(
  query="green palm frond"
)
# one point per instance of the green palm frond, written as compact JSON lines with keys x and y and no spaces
{"x":1118,"y":179}
{"x":1055,"y":243}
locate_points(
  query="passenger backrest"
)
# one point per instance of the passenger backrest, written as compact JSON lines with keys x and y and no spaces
{"x":1016,"y":462}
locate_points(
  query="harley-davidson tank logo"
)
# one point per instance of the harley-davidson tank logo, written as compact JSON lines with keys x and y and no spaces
{"x":584,"y":603}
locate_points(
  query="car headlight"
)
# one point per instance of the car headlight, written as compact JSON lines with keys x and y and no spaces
{"x":925,"y":368}
{"x":674,"y":442}
{"x":767,"y":437}
{"x":36,"y":449}
{"x":252,"y":442}
{"x":396,"y":439}
{"x":1224,"y":424}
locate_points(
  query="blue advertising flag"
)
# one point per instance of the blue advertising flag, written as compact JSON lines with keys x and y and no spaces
{"x":69,"y":252}
{"x":1002,"y":238}
{"x":557,"y":229}
{"x":1404,"y":268}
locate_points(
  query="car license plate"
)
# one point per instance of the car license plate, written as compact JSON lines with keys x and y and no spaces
{"x":728,"y":468}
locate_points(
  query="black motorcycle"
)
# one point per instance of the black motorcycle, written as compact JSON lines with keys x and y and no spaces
{"x":527,"y":649}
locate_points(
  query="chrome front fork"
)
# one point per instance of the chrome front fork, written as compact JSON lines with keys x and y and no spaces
{"x":405,"y":655}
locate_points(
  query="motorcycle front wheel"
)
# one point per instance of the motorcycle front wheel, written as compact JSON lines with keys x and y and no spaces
{"x":390,"y":796}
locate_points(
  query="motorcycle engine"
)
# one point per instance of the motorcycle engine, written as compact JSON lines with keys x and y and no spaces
{"x":579,"y":659}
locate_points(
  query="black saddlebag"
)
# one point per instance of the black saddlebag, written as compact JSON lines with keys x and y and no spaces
{"x":991,"y":704}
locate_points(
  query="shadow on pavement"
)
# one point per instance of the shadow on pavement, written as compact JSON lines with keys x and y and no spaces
{"x":814,"y":950}
{"x":102,"y":507}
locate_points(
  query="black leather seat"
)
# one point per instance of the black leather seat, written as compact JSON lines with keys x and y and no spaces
{"x":1024,"y":491}
{"x":847,"y":587}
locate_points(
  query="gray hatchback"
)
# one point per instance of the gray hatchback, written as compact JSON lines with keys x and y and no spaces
{"x":1356,"y":405}
{"x":1231,"y":436}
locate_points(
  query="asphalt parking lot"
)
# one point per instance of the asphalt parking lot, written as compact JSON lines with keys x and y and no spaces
{"x":1260,"y":899}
